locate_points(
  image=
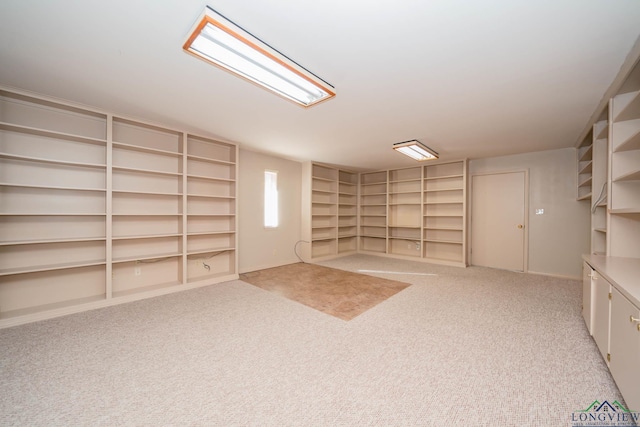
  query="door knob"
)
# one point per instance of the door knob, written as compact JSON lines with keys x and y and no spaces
{"x":520,"y":226}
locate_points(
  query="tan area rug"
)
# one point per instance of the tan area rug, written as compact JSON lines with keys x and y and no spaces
{"x":339,"y":293}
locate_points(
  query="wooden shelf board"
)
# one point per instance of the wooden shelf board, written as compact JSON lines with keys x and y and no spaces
{"x":625,"y":211}
{"x":600,"y":230}
{"x":601,"y":129}
{"x":587,"y":168}
{"x":151,"y":193}
{"x":444,"y":216}
{"x":210,"y":251}
{"x":631,"y":110}
{"x":319,"y":178}
{"x":145,"y":236}
{"x":211,"y":233}
{"x":51,"y":214}
{"x":50,"y":267}
{"x":585,"y":182}
{"x":585,"y":197}
{"x":444,"y":228}
{"x":210,"y":215}
{"x":62,"y":240}
{"x":146,"y":257}
{"x":52,"y":161}
{"x":210,"y":160}
{"x":317,"y":190}
{"x":346,"y":236}
{"x":405,"y":180}
{"x":139,"y":215}
{"x":148,"y":171}
{"x":429,"y":178}
{"x":142,"y":149}
{"x":52,"y":187}
{"x":209,"y":178}
{"x":586,"y":154}
{"x":630,"y":132}
{"x":452,"y":242}
{"x":51,"y":134}
{"x":630,"y":176}
{"x":210,"y":196}
{"x":443,"y":189}
{"x":444,"y":203}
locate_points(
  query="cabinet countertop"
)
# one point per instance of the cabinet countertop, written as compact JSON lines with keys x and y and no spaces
{"x":622,"y":273}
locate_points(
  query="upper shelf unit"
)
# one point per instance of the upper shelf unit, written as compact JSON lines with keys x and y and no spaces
{"x":624,"y":170}
{"x":585,"y":167}
{"x":330,"y":216}
{"x":422,"y":214}
{"x":99,"y":209}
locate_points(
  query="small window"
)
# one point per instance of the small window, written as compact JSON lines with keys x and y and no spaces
{"x":270,"y":199}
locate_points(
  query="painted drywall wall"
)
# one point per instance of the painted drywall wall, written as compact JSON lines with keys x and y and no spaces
{"x":261,"y":247}
{"x":559,"y":237}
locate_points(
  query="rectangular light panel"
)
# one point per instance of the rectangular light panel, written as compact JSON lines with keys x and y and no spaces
{"x":219,"y":41}
{"x":416,"y":150}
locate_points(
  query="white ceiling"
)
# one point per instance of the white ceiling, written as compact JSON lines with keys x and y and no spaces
{"x":468,"y":78}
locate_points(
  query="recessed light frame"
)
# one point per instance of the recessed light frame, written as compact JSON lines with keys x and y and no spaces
{"x":416,"y":150}
{"x":221,"y":42}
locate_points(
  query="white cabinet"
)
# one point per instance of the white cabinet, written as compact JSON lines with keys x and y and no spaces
{"x":616,"y":320}
{"x":625,"y":348}
{"x":601,"y":313}
{"x":587,"y":296}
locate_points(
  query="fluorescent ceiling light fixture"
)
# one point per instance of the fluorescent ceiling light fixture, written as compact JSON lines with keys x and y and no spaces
{"x":416,"y":150}
{"x":219,"y":41}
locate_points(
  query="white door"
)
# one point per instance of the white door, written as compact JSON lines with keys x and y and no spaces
{"x":498,"y":220}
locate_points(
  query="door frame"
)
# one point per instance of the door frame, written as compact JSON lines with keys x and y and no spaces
{"x":525,"y":264}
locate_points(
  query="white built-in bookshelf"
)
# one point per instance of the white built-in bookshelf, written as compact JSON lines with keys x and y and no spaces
{"x":415,"y":213}
{"x":98,"y":209}
{"x":329,"y":220}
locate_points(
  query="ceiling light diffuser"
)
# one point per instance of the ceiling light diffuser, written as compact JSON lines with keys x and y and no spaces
{"x":416,"y":150}
{"x":219,"y":41}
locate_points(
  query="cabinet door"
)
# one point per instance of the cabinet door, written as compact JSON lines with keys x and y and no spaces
{"x":600,"y":310}
{"x":625,"y":348}
{"x":587,"y":273}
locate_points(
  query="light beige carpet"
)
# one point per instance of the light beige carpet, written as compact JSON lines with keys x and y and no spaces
{"x":339,"y":293}
{"x":473,"y":347}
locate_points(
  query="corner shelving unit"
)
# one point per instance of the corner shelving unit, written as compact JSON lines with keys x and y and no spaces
{"x":99,"y":209}
{"x":347,"y":212}
{"x":329,"y":211}
{"x":415,"y":213}
{"x":445,"y":212}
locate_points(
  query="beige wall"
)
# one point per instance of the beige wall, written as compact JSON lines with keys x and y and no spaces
{"x":260,"y":247}
{"x":559,"y":237}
